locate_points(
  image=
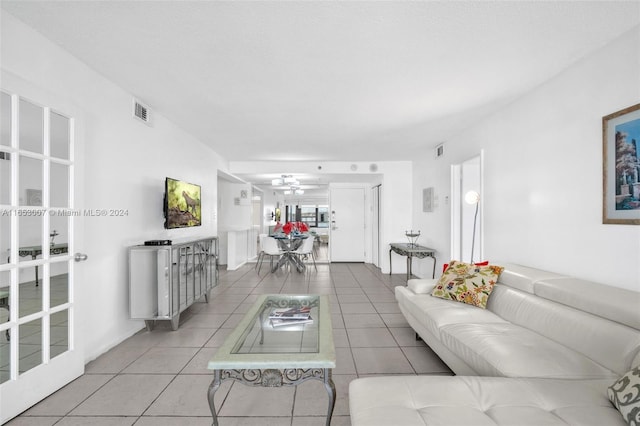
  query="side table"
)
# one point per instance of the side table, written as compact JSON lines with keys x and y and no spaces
{"x":410,"y":251}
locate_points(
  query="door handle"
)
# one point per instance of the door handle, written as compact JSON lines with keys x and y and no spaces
{"x":80,"y":257}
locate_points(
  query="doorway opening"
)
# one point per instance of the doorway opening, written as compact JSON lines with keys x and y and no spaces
{"x":467,"y":213}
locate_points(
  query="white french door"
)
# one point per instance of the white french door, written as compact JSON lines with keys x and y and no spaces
{"x":40,"y":347}
{"x":346,"y":241}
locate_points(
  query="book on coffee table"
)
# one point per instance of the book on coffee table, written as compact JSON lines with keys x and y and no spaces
{"x":297,"y":313}
{"x":277,"y":322}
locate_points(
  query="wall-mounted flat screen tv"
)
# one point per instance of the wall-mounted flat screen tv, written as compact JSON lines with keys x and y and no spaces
{"x":182,"y":207}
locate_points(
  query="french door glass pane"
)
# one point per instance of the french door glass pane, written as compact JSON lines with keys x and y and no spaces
{"x":59,"y":284}
{"x":5,"y":178}
{"x":30,"y":349}
{"x":59,"y":333}
{"x":5,"y":279}
{"x":5,"y":238}
{"x":29,"y":295}
{"x":5,"y":119}
{"x":4,"y":368}
{"x":31,"y":127}
{"x":30,"y":236}
{"x":59,"y":185}
{"x":30,"y":181}
{"x":58,"y":234}
{"x":59,"y":136}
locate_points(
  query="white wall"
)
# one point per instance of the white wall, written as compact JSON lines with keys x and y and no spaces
{"x":232,"y":216}
{"x":396,"y":218}
{"x":270,"y":200}
{"x":125,"y":165}
{"x":542,"y":196}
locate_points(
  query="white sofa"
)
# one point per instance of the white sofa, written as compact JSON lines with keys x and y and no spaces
{"x":547,"y":347}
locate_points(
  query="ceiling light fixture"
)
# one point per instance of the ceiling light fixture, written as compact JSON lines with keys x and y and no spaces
{"x":285,"y":180}
{"x":293,"y":190}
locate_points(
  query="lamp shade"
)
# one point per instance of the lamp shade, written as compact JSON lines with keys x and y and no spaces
{"x":472,"y":197}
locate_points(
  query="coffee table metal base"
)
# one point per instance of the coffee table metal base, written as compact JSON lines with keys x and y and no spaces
{"x":273,"y":378}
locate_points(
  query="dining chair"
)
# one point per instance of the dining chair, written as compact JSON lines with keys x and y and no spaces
{"x":261,"y":238}
{"x":306,"y":250}
{"x":316,"y":242}
{"x":271,"y":248}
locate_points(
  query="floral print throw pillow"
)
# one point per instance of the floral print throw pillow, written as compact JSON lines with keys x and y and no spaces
{"x":625,"y":395}
{"x":467,"y":283}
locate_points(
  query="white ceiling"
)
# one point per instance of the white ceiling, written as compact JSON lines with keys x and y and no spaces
{"x":327,"y":80}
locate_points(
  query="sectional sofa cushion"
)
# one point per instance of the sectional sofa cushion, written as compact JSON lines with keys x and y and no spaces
{"x":523,"y":277}
{"x":509,"y":350}
{"x":605,"y":301}
{"x":618,"y":345}
{"x":479,"y":401}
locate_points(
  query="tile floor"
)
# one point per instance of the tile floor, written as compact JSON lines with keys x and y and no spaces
{"x":160,"y":378}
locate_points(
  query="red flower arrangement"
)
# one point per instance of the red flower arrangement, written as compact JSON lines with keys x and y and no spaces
{"x":287,"y":228}
{"x":290,"y":227}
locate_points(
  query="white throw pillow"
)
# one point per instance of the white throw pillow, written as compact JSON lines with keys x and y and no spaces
{"x":625,"y":395}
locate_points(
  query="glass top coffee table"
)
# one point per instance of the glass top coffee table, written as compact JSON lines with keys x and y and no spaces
{"x":283,"y":340}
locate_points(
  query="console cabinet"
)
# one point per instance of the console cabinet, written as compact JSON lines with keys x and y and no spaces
{"x":166,"y":280}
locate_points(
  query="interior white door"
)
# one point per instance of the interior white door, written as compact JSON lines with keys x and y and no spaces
{"x":346,"y":241}
{"x":40,"y":346}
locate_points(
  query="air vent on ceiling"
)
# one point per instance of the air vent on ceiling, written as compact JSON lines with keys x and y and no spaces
{"x":141,"y":112}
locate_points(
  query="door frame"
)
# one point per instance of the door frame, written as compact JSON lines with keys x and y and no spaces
{"x":22,"y":391}
{"x":376,"y":222}
{"x":462,"y":213}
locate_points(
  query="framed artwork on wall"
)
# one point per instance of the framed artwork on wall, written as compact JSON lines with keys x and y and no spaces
{"x":621,"y":167}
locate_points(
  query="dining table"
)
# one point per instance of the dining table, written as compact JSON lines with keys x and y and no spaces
{"x":289,"y":243}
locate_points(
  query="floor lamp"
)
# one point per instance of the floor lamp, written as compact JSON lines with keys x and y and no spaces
{"x":472,"y":197}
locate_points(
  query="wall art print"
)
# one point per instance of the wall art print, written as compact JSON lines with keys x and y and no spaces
{"x":621,"y":167}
